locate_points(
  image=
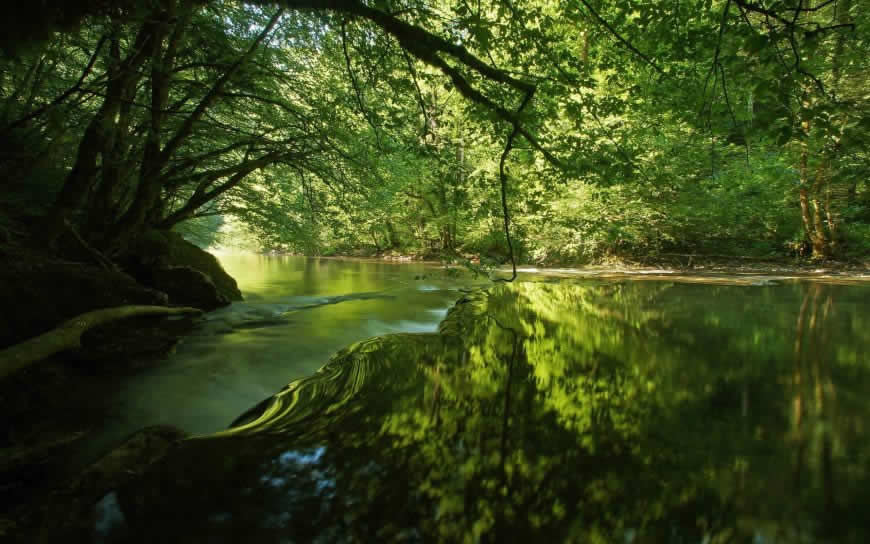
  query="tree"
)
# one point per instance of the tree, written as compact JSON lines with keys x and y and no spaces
{"x":347,"y":125}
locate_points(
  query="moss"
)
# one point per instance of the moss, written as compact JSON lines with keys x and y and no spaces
{"x":161,"y":249}
{"x":183,"y":253}
{"x":189,"y":286}
{"x":39,"y":292}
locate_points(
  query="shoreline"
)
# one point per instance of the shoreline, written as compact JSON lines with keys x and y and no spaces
{"x":651,"y":269}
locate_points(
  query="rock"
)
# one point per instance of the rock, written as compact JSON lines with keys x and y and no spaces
{"x":188,"y":286}
{"x":157,"y":250}
{"x":131,"y":457}
{"x":38,"y":292}
{"x":136,"y":343}
{"x":38,"y":427}
{"x":72,"y":511}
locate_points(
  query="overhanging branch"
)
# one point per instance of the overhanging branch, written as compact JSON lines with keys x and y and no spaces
{"x":619,"y":37}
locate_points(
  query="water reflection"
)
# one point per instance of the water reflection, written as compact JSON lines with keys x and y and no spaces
{"x":296,"y":314}
{"x":587,"y":412}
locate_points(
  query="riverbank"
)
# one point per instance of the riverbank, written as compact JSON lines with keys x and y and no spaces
{"x":724,"y":273}
{"x":676,"y":262}
{"x":683,"y":265}
{"x":102,"y":316}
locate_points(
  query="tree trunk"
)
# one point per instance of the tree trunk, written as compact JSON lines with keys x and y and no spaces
{"x":98,"y":137}
{"x":842,"y":16}
{"x":375,"y":240}
{"x":812,"y":225}
{"x":104,"y":199}
{"x":155,"y":159}
{"x":391,"y":235}
{"x":80,"y":179}
{"x":810,"y":210}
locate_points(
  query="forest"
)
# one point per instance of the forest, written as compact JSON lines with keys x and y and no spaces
{"x":547,"y":132}
{"x":143,"y":141}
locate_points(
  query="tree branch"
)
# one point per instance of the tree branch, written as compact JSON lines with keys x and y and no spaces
{"x":420,"y":100}
{"x":365,"y":113}
{"x":466,"y":90}
{"x":78,"y":85}
{"x":215,"y":91}
{"x":621,"y":40}
{"x":202,"y":195}
{"x":716,"y":54}
{"x":502,"y":177}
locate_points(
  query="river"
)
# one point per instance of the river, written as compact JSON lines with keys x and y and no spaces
{"x":296,"y":314}
{"x":607,"y":409}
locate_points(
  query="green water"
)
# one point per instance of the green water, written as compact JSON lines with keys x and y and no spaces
{"x":297,"y":313}
{"x":581,"y":411}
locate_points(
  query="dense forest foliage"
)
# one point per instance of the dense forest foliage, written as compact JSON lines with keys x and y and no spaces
{"x":556,"y":131}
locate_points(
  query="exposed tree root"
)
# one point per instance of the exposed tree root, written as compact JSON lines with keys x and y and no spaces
{"x":68,"y":335}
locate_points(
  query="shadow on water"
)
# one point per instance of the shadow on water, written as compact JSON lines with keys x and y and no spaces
{"x":586,"y":412}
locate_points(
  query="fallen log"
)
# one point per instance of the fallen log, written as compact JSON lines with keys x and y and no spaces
{"x":68,"y":334}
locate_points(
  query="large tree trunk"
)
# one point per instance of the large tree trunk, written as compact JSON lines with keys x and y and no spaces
{"x":809,"y":202}
{"x":80,"y":179}
{"x":818,"y":211}
{"x":155,"y":159}
{"x":99,"y":135}
{"x":810,"y":215}
{"x":841,"y":192}
{"x":103,"y":207}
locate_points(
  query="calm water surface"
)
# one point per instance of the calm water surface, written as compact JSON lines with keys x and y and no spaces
{"x":297,"y":313}
{"x":580,"y":411}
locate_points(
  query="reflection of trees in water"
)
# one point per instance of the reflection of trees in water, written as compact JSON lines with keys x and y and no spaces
{"x":815,"y":426}
{"x":563,"y":412}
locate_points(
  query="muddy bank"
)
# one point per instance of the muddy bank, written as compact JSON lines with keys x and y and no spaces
{"x":747,"y":276}
{"x":714,"y":263}
{"x":684,"y":265}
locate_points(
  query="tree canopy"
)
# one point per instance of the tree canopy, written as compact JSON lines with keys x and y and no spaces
{"x":548,"y":131}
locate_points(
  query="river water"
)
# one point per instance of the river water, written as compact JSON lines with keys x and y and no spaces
{"x":675,"y":409}
{"x":296,"y":314}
